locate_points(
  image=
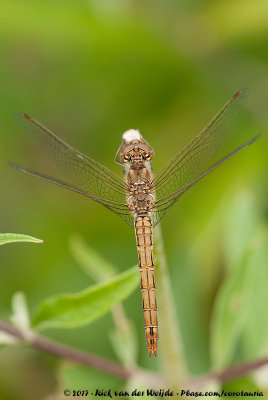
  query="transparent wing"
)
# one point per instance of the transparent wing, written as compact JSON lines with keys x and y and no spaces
{"x":163,"y":204}
{"x":193,"y":158}
{"x":193,"y":161}
{"x":84,"y":175}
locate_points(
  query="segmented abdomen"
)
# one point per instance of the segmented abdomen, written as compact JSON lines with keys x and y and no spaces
{"x":144,"y":239}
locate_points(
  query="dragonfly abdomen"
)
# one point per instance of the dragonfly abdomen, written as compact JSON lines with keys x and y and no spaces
{"x":144,"y":239}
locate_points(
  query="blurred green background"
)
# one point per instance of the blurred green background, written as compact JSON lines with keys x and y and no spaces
{"x":89,"y":70}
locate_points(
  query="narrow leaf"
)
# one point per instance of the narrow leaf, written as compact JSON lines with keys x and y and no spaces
{"x":17,"y":237}
{"x":90,"y":261}
{"x":229,"y":314}
{"x":5,"y":338}
{"x":20,"y":315}
{"x":79,"y":309}
{"x":240,"y":307}
{"x":256,"y":345}
{"x":124,"y":343}
{"x":241,"y":219}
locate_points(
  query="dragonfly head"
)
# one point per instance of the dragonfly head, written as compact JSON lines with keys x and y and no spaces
{"x":133,"y":148}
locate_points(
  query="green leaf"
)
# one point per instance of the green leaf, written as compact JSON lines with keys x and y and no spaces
{"x":256,"y":345}
{"x":90,"y":261}
{"x":240,"y":222}
{"x":74,"y":310}
{"x":229,"y":314}
{"x":124,"y":343}
{"x":20,"y":315}
{"x":243,"y":291}
{"x":241,"y":305}
{"x":17,"y":237}
{"x":123,"y":336}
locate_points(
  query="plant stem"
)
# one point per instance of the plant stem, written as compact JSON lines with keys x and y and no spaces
{"x":233,"y":372}
{"x":81,"y":357}
{"x":169,"y":336}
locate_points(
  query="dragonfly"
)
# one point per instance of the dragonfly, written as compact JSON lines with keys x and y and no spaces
{"x":139,"y":198}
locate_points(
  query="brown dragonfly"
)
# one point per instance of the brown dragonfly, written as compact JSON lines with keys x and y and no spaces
{"x":141,"y":199}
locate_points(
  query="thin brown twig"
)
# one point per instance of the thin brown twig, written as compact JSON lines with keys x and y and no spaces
{"x":116,"y":369}
{"x":82,"y":357}
{"x":233,"y":371}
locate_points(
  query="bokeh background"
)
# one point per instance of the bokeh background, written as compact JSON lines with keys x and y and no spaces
{"x":90,"y":70}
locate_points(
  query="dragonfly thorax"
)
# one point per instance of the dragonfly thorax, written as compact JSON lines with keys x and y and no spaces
{"x":140,"y":197}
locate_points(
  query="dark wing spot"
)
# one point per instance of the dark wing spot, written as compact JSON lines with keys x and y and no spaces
{"x":26,"y":116}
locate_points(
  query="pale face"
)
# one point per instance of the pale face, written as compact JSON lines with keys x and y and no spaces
{"x":134,"y":148}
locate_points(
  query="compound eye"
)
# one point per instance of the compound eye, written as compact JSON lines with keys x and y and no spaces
{"x":126,"y":158}
{"x":146,"y":155}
